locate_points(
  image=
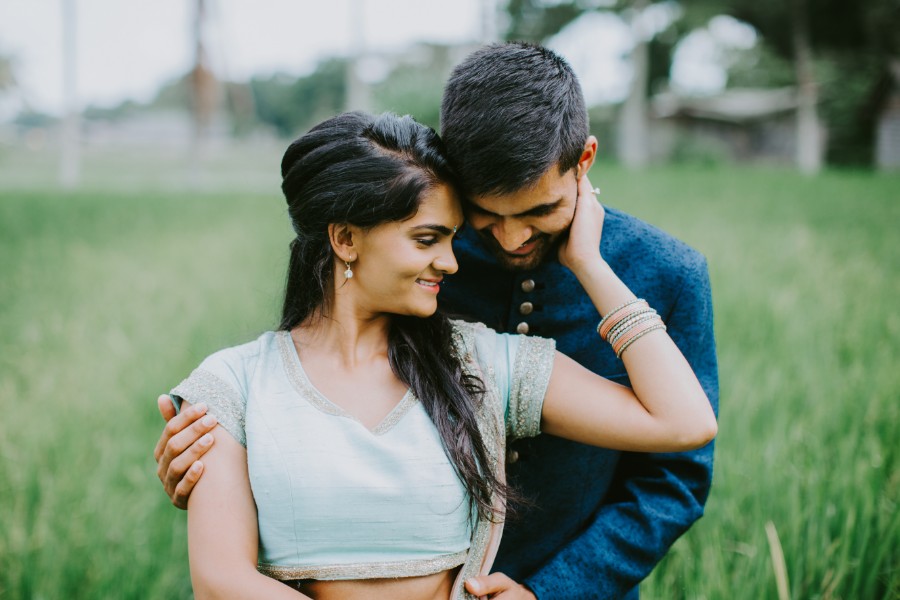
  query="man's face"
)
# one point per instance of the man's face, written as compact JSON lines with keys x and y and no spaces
{"x":524,"y":227}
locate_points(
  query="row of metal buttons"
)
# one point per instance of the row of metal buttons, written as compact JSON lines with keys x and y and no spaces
{"x":526,"y":308}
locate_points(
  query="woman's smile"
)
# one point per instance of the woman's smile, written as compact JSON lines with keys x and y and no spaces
{"x":432,"y":286}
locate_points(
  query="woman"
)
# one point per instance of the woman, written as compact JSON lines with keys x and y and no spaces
{"x":367,"y":434}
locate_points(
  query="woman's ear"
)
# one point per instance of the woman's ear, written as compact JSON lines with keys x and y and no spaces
{"x":341,"y":236}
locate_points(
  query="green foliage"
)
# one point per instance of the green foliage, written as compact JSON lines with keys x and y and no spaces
{"x":804,"y":274}
{"x":413,"y":89}
{"x":293,"y":105}
{"x":847,"y":105}
{"x":852,"y":44}
{"x":759,"y":67}
{"x":538,"y":20}
{"x":535,"y":21}
{"x":108,"y":299}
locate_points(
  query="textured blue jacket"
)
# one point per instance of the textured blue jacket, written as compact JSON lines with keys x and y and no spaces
{"x":601,"y":519}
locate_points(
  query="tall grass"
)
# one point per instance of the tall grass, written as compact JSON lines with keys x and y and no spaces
{"x":106,"y":299}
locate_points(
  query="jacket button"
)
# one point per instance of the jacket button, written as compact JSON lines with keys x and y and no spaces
{"x":522,"y":328}
{"x":512,"y":456}
{"x":528,"y":285}
{"x":526,"y":307}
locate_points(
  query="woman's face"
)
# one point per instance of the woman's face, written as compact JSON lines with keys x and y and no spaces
{"x":400,"y":265}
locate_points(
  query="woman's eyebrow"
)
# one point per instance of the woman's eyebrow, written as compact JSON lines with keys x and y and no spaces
{"x":442,"y":229}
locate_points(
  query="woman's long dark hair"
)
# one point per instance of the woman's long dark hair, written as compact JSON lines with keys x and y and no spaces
{"x":363,"y":170}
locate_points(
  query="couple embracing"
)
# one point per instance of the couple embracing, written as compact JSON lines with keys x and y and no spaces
{"x":483,"y":384}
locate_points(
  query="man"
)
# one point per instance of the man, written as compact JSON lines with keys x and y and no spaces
{"x":515,"y":125}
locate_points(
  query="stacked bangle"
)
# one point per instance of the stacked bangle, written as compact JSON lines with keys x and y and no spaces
{"x":627,"y":323}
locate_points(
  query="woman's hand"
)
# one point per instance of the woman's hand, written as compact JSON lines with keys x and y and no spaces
{"x":582,"y":244}
{"x":499,"y":586}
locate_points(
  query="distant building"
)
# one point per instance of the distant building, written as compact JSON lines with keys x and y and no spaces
{"x":738,"y":125}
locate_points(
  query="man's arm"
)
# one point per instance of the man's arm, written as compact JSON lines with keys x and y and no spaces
{"x":654,"y":498}
{"x":185,"y":438}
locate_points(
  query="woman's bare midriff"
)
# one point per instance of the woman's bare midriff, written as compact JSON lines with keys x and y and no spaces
{"x":428,"y":587}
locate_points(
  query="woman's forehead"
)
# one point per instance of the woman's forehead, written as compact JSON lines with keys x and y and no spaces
{"x":439,"y":205}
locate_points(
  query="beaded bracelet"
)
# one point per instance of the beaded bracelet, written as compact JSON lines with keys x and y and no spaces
{"x":628,"y":321}
{"x":630,"y":324}
{"x":620,"y":313}
{"x":637,"y":334}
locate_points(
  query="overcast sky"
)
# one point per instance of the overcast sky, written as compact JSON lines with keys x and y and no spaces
{"x":127,"y":48}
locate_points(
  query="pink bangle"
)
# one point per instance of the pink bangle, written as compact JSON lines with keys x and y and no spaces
{"x":628,"y":323}
{"x":625,"y":340}
{"x":620,"y":313}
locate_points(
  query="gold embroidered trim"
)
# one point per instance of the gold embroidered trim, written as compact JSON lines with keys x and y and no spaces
{"x":224,"y":402}
{"x":371,"y":570}
{"x":490,"y":422}
{"x":300,"y":380}
{"x":530,"y":377}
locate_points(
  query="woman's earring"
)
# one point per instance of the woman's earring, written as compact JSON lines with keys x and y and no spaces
{"x":348,"y":274}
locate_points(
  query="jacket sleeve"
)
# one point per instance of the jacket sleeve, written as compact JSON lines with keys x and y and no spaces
{"x":654,"y":498}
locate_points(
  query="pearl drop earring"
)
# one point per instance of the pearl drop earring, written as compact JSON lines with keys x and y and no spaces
{"x":348,"y":274}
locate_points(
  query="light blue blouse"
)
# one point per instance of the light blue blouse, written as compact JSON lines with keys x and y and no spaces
{"x":336,"y":500}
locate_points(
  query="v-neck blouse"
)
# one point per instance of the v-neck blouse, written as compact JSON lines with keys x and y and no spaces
{"x":336,"y":500}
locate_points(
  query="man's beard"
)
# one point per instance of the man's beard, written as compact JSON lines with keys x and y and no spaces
{"x":547,"y":246}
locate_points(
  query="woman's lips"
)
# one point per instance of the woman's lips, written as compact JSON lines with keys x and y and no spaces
{"x":431,"y":286}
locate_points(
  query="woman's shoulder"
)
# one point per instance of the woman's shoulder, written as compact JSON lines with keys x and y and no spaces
{"x":222,"y":382}
{"x":241,"y":357}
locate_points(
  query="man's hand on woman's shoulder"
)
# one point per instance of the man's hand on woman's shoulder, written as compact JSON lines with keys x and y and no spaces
{"x":185,"y":438}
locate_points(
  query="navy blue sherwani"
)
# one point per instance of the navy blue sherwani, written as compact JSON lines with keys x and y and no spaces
{"x":602,"y":519}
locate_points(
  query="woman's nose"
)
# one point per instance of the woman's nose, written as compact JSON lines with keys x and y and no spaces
{"x":446,"y":263}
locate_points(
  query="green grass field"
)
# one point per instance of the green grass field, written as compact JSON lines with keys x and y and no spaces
{"x":108,"y":298}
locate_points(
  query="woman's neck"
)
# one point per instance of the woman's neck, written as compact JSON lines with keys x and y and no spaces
{"x":350,"y":335}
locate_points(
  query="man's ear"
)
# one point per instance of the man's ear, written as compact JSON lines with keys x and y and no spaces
{"x":341,"y":237}
{"x":587,"y":157}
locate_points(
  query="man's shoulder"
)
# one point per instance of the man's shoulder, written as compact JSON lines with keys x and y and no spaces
{"x":632,"y":242}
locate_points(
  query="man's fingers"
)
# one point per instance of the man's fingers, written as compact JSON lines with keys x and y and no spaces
{"x":182,"y":461}
{"x":183,"y":450}
{"x":176,"y":424}
{"x":166,"y":407}
{"x":185,"y":487}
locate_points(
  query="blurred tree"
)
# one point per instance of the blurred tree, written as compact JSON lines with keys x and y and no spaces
{"x":836,"y":52}
{"x":412,"y":90}
{"x":415,"y":84}
{"x":204,"y":88}
{"x":538,"y":20}
{"x":292,"y":105}
{"x":842,"y":57}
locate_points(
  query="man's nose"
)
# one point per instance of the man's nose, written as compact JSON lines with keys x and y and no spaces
{"x":511,"y":234}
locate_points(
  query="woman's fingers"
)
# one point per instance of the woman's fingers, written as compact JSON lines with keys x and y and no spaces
{"x":498,"y":585}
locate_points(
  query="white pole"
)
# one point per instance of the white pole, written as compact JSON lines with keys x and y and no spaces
{"x":359,"y":95}
{"x":489,"y":33}
{"x":70,"y":145}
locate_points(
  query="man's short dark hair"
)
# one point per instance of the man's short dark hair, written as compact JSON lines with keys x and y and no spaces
{"x":510,"y":112}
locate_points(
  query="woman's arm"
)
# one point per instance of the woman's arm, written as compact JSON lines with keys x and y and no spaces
{"x":223,"y":532}
{"x":666,"y":411}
